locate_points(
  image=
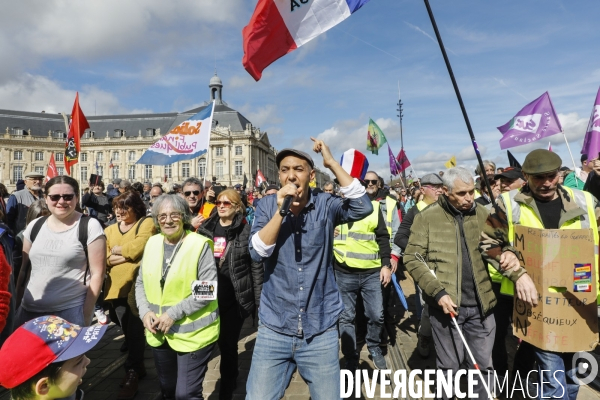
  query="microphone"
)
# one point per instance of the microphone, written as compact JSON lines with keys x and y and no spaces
{"x":287,"y":203}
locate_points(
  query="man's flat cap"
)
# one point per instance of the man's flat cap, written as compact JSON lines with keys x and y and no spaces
{"x":541,"y":161}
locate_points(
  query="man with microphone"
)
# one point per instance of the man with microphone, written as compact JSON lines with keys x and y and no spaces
{"x":300,"y":302}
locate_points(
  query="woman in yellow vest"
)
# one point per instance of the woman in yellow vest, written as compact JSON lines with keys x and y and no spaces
{"x":176,"y":293}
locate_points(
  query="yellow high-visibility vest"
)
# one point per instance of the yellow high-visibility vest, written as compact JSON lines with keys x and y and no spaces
{"x":357,"y":247}
{"x":192,"y":332}
{"x":521,"y":214}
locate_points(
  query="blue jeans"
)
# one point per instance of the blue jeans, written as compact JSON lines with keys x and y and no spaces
{"x":73,"y":315}
{"x":559,"y":373}
{"x":369,"y":286}
{"x":276,"y":355}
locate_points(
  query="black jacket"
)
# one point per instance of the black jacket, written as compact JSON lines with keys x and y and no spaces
{"x":246,"y":275}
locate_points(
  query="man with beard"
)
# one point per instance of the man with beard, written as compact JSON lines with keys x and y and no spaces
{"x":19,"y":202}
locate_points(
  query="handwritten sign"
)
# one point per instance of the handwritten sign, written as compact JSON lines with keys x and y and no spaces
{"x":561,"y":265}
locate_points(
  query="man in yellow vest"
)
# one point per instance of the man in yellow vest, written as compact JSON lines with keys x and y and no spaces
{"x":541,"y":203}
{"x":431,"y":184}
{"x":362,"y":264}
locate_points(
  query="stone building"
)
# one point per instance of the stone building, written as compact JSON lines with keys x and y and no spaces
{"x":114,"y":143}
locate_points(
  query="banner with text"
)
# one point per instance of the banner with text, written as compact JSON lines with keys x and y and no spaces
{"x":561,"y":265}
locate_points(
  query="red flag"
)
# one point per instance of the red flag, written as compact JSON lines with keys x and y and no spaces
{"x":76,"y":129}
{"x":51,"y":172}
{"x":260,"y":178}
{"x":403,"y":162}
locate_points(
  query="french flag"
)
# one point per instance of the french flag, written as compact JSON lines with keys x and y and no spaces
{"x":278,"y":27}
{"x":355,"y":163}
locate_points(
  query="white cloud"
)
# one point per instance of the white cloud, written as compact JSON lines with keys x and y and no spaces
{"x":261,"y":116}
{"x":37,"y":93}
{"x":89,"y":31}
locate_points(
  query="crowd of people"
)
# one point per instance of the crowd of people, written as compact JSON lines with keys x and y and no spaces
{"x":181,"y":270}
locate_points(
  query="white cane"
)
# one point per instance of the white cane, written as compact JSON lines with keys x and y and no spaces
{"x":487,"y":389}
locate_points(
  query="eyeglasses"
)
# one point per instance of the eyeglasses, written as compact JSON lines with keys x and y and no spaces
{"x":371,"y":181}
{"x":35,"y":179}
{"x":225,"y":204}
{"x":174,"y":217}
{"x":56,"y":197}
{"x":188,"y":194}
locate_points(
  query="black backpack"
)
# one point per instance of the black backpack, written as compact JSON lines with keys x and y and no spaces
{"x":83,"y":238}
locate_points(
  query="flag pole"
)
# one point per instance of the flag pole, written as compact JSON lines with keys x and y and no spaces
{"x":572,"y":159}
{"x":460,"y":101}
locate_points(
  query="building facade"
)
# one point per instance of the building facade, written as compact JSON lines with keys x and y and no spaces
{"x":114,"y":143}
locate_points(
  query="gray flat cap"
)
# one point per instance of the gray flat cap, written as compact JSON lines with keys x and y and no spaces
{"x":431,"y":179}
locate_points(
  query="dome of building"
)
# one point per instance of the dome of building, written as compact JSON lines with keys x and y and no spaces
{"x":215,"y":80}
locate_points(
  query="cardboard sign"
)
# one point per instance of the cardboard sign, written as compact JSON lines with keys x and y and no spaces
{"x":561,"y":265}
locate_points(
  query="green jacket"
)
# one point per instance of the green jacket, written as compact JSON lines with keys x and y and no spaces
{"x":435,"y":234}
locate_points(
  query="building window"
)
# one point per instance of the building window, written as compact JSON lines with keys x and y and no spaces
{"x":18,"y":155}
{"x":39,"y":156}
{"x":219,"y":169}
{"x":150,"y":131}
{"x":131,"y":172}
{"x":59,"y":135}
{"x":168,"y":171}
{"x":115,"y":172}
{"x":18,"y":131}
{"x":60,"y":170}
{"x":17,"y":172}
{"x":202,"y":167}
{"x":58,"y":157}
{"x":118,"y":133}
{"x":239,"y":168}
{"x":100,"y":170}
{"x":219,"y":150}
{"x":132,"y":156}
{"x":87,"y":134}
{"x":148,"y":172}
{"x":100,"y":156}
{"x":84,"y":174}
{"x":185,"y":170}
{"x":83,"y":157}
{"x":115,"y":156}
{"x":39,"y":170}
{"x":238,"y":150}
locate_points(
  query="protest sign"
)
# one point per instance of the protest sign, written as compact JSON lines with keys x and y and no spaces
{"x":561,"y":265}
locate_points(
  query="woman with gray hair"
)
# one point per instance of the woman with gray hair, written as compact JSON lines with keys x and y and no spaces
{"x":176,"y":293}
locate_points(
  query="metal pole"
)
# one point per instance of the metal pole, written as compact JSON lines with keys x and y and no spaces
{"x":460,"y":102}
{"x":400,"y":115}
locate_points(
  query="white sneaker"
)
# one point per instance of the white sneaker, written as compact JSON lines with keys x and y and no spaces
{"x":101,"y":316}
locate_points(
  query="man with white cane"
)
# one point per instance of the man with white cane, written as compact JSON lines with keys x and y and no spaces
{"x":447,"y":235}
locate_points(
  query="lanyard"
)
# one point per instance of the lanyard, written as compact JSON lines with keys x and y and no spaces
{"x":170,"y":261}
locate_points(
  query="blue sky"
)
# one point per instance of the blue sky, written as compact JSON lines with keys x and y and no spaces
{"x":155,"y":56}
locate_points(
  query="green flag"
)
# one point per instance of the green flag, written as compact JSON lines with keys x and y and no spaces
{"x":375,"y":137}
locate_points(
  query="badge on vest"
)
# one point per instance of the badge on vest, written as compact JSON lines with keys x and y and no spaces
{"x":204,"y":290}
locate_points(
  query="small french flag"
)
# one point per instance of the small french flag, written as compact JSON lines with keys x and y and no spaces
{"x":355,"y":163}
{"x":278,"y":27}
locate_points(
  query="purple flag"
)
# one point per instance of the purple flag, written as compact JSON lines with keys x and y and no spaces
{"x":535,"y":121}
{"x":393,"y":164}
{"x":591,"y":143}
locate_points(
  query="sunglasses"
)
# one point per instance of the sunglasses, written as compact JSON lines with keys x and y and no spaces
{"x":188,"y":194}
{"x":56,"y":197}
{"x":371,"y":181}
{"x":174,"y":217}
{"x":225,"y":204}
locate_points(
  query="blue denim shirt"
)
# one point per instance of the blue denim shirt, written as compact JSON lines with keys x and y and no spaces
{"x":299,"y":293}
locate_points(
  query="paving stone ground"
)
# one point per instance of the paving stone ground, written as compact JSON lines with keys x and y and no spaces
{"x":105,"y":371}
